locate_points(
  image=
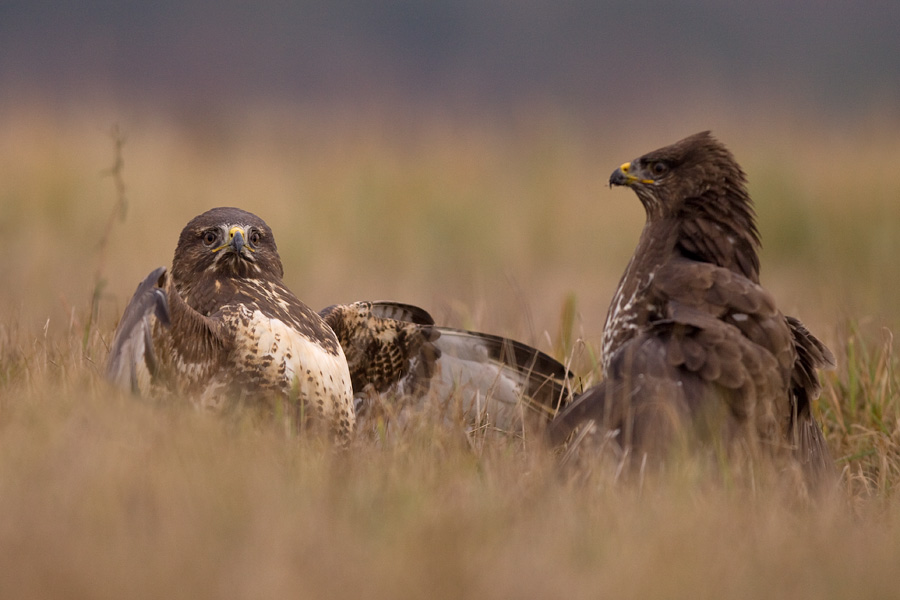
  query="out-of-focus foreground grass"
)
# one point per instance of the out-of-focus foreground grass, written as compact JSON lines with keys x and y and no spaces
{"x":494,"y":226}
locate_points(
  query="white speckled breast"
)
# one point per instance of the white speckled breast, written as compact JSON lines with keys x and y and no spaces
{"x":278,"y":353}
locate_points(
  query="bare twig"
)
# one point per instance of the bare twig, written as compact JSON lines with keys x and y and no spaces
{"x":119,"y":210}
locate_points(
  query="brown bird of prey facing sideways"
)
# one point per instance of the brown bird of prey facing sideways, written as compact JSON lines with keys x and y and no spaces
{"x":221,"y":326}
{"x":693,"y":345}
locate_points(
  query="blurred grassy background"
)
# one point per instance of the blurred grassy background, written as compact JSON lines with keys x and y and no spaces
{"x":489,"y":222}
{"x":454,"y":155}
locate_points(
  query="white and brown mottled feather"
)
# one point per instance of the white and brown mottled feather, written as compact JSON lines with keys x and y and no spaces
{"x":383,"y":353}
{"x":222,"y":325}
{"x":232,"y":331}
{"x":692,"y":341}
{"x":399,"y":358}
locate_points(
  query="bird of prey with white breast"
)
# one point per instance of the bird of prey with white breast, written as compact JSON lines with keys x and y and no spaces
{"x":221,"y":328}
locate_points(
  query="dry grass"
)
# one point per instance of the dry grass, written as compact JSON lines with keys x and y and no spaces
{"x":494,"y":226}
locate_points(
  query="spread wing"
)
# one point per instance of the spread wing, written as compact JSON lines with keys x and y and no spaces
{"x":396,"y":351}
{"x":132,"y":361}
{"x":384,"y":353}
{"x":499,"y":380}
{"x":263,"y":344}
{"x":160,"y":339}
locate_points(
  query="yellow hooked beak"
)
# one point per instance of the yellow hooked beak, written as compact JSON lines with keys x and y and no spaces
{"x":235,"y":241}
{"x":624,"y":176}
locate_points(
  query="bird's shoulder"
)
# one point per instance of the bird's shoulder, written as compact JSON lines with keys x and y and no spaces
{"x":711,"y":288}
{"x":257,"y":305}
{"x":702,"y":303}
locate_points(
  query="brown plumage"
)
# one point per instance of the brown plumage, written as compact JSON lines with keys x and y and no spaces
{"x":692,"y":342}
{"x":222,"y":325}
{"x":399,"y":359}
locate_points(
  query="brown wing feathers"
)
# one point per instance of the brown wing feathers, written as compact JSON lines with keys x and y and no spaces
{"x":222,"y":324}
{"x":395,"y":350}
{"x":132,"y":358}
{"x":234,"y":330}
{"x":690,"y":326}
{"x":382,"y":351}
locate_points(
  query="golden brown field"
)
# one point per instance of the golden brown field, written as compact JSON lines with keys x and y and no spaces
{"x":492,"y":224}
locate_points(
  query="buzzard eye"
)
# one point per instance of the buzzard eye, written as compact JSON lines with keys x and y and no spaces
{"x":659,"y":168}
{"x":254,"y":237}
{"x":209,"y":238}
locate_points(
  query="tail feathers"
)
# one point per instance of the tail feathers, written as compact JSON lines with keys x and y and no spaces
{"x":132,"y":360}
{"x":812,"y":451}
{"x":591,"y":405}
{"x":811,"y":356}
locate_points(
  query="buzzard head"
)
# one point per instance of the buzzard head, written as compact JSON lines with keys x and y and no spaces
{"x":697,"y":187}
{"x":698,"y":166}
{"x":225,"y":243}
